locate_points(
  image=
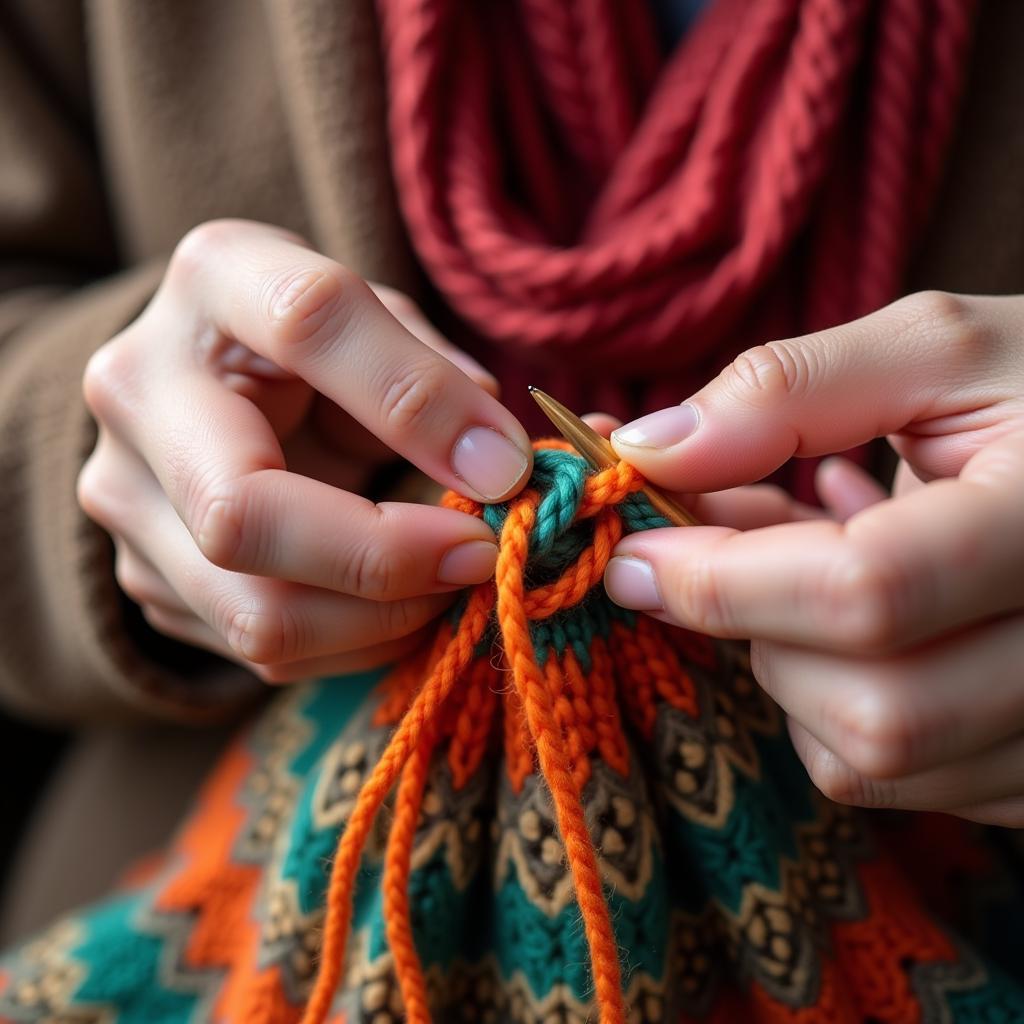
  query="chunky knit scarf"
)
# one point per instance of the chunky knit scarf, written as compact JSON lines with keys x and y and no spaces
{"x":599,"y":213}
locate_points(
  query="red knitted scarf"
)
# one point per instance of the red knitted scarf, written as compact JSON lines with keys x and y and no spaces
{"x":598,"y":211}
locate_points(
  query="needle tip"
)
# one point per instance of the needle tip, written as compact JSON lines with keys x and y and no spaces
{"x":530,"y":388}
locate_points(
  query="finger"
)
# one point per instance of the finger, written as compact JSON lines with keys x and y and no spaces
{"x":361,"y":660}
{"x":411,"y":317}
{"x":311,"y":316}
{"x":1007,"y":813}
{"x":142,"y":581}
{"x":750,"y":507}
{"x":995,"y":774}
{"x":188,"y":628}
{"x":284,"y":526}
{"x":924,"y":364}
{"x":268,"y":621}
{"x":937,"y":558}
{"x":742,"y":508}
{"x":222,"y":469}
{"x":895,"y":716}
{"x":601,"y":422}
{"x":845,"y":488}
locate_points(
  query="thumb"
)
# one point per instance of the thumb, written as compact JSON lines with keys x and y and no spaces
{"x":813,"y":395}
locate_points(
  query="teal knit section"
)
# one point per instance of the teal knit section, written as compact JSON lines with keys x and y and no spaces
{"x":130,"y":959}
{"x":758,"y":835}
{"x":329,"y":707}
{"x":997,"y":1002}
{"x":552,"y":949}
{"x":556,"y":542}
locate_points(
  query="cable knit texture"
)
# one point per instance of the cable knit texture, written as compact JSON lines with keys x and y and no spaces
{"x":568,"y":191}
{"x":557,"y":811}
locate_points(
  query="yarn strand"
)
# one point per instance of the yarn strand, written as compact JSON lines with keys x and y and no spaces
{"x":407,"y":756}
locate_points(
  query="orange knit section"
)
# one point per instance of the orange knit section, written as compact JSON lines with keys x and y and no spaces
{"x":518,"y":752}
{"x":397,"y":867}
{"x":895,"y":929}
{"x":473,"y":723}
{"x":225,"y":934}
{"x":652,"y":671}
{"x":833,"y":1006}
{"x":554,"y":765}
{"x":554,"y":719}
{"x":407,"y":737}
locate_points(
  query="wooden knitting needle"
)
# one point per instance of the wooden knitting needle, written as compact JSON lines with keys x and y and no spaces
{"x":600,"y":454}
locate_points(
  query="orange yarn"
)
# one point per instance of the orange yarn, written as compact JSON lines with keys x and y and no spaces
{"x":402,"y":745}
{"x":563,"y":716}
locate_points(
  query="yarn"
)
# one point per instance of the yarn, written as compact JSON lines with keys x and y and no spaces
{"x":569,"y":190}
{"x":560,"y":731}
{"x":587,"y":815}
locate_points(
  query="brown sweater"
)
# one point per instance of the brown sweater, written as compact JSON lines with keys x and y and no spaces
{"x":122,"y":125}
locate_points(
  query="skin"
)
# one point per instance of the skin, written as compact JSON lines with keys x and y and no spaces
{"x":891,"y":629}
{"x":241,"y":416}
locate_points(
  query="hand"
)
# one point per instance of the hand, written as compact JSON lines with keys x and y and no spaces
{"x":239,"y":416}
{"x":893,"y":633}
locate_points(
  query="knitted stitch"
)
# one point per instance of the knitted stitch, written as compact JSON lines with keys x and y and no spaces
{"x":570,"y":190}
{"x":588,"y":816}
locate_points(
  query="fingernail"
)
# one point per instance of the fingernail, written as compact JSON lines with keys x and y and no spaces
{"x":660,"y":429}
{"x":630,"y":583}
{"x":488,"y":462}
{"x":469,"y":562}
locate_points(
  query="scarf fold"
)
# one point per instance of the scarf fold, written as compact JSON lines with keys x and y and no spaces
{"x":574,"y":194}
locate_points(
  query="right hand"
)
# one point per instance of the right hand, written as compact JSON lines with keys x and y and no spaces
{"x":238,"y":414}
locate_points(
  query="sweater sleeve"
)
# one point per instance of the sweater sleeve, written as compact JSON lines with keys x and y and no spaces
{"x":72,"y":647}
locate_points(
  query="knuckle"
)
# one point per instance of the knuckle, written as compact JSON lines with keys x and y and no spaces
{"x":769,"y":373}
{"x":94,"y":491}
{"x":837,"y":781}
{"x":200,"y":245}
{"x":862,"y":602}
{"x":947,"y":323}
{"x":272,"y":635}
{"x":307,"y":304}
{"x":106,"y":379}
{"x":87,"y":488}
{"x":131,"y":580}
{"x":220,"y":520}
{"x":933,"y":307}
{"x":412,"y":397}
{"x":398,"y":619}
{"x":878,"y":734}
{"x":700,"y":598}
{"x":374,"y":572}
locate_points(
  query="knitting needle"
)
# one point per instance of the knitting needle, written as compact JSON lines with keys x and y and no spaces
{"x":600,"y":454}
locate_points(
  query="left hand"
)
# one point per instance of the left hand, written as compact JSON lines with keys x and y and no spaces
{"x":892,"y":632}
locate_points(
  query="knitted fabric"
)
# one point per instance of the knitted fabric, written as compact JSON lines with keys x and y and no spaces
{"x":569,"y":189}
{"x":558,"y":811}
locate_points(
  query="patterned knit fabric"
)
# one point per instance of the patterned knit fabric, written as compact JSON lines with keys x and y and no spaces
{"x":559,"y":812}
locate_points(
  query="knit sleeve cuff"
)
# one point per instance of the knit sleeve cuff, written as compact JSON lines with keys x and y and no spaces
{"x":71,"y":646}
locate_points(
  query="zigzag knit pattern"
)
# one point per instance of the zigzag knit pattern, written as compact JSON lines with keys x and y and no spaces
{"x":558,"y":812}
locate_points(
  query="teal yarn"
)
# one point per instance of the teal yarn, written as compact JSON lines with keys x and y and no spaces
{"x":556,"y":541}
